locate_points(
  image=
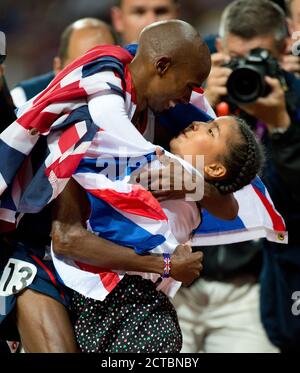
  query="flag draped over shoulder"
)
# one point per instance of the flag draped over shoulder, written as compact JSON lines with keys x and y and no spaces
{"x":61,"y":113}
{"x":257,"y":218}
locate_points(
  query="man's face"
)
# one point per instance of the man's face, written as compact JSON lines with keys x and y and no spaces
{"x":175,"y":86}
{"x":134,"y":15}
{"x":235,"y":46}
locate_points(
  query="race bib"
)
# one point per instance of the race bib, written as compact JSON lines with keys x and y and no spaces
{"x":16,"y":276}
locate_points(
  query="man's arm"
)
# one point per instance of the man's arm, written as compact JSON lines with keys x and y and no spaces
{"x":70,"y":238}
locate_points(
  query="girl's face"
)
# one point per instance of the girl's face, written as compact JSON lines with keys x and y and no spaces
{"x":210,"y":139}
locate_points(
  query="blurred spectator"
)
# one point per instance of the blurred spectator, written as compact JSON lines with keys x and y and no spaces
{"x":76,"y":39}
{"x":22,"y":21}
{"x":129,"y":17}
{"x":220,"y":312}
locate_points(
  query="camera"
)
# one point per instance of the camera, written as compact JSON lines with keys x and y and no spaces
{"x":247,"y":83}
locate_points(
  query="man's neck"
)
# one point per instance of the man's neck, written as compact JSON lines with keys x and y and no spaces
{"x":139,"y":79}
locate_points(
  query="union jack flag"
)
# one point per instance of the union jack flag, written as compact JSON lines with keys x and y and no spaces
{"x":60,"y":113}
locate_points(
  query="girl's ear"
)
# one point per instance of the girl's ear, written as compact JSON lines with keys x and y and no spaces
{"x":215,"y":171}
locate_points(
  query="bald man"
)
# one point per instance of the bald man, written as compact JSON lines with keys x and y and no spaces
{"x":129,"y":17}
{"x":75,"y":40}
{"x":78,"y":38}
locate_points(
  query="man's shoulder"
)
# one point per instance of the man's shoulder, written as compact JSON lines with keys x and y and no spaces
{"x":210,"y":40}
{"x":38,"y":80}
{"x":36,"y":84}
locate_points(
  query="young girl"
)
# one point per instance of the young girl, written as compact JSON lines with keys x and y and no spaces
{"x":136,"y":309}
{"x":232,"y":159}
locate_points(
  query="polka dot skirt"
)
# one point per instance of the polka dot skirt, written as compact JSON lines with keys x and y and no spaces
{"x":134,"y":317}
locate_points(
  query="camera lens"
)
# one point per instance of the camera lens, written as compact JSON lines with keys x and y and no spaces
{"x":245,"y":85}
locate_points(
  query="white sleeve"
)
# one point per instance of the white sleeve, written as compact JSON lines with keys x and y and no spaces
{"x":109,"y":113}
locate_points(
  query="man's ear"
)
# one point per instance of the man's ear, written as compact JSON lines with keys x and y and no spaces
{"x":57,"y":65}
{"x":162,"y":65}
{"x":215,"y":171}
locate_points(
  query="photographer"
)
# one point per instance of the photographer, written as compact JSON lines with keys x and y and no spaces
{"x":223,"y":306}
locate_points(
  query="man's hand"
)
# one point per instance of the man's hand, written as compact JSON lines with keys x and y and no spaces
{"x":171,"y":181}
{"x":272,"y":108}
{"x":216,"y":82}
{"x":186,"y":266}
{"x":167,"y":178}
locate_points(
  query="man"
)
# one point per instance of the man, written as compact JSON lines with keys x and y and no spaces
{"x":226,"y":315}
{"x":129,"y":17}
{"x":150,"y":78}
{"x":75,"y":40}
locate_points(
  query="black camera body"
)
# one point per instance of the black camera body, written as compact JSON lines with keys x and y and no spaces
{"x":247,"y":83}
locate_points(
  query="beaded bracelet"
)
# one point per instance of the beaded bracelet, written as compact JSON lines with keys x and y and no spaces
{"x":167,"y":266}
